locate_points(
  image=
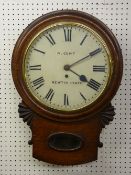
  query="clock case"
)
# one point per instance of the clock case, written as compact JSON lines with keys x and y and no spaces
{"x":66,"y":137}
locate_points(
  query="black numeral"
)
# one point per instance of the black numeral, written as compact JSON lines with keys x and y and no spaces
{"x":83,"y":40}
{"x":83,"y":96}
{"x":35,"y":67}
{"x":38,"y":82}
{"x":67,"y":34}
{"x":50,"y":39}
{"x":98,"y":68}
{"x":50,"y":94}
{"x":66,"y":100}
{"x":39,"y":51}
{"x":94,"y":84}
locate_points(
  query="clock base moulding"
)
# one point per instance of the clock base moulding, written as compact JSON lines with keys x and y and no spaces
{"x":78,"y":142}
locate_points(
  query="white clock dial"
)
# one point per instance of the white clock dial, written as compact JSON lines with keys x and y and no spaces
{"x":67,"y":66}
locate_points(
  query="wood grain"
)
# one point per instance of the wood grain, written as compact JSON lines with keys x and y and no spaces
{"x":38,"y":25}
{"x":85,"y":122}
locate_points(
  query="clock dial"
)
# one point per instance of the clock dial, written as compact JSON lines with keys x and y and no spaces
{"x":67,"y":66}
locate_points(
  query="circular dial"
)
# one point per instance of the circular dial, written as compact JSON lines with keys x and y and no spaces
{"x":67,"y":66}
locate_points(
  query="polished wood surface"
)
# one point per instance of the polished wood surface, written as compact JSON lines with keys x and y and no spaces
{"x":88,"y":131}
{"x":38,"y":25}
{"x":85,"y":122}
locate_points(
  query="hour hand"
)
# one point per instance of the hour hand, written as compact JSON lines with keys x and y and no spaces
{"x":81,"y":77}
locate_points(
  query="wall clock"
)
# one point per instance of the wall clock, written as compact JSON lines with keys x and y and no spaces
{"x":66,"y":66}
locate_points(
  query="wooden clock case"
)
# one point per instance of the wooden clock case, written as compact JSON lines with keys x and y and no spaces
{"x":62,"y":137}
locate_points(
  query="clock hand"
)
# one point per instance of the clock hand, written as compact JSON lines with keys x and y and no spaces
{"x":91,"y":54}
{"x":81,"y":77}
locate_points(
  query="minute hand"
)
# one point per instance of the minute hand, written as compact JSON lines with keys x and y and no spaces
{"x":89,"y":55}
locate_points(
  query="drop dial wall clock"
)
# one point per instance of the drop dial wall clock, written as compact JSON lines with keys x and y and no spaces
{"x":66,"y":66}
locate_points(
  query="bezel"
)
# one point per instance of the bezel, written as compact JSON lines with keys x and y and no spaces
{"x":47,"y":20}
{"x":51,"y":27}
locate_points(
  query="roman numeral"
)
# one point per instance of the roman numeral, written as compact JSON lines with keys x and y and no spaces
{"x":66,"y":100}
{"x":83,"y":96}
{"x":67,"y":34}
{"x":94,"y":84}
{"x":35,"y":67}
{"x":83,"y":40}
{"x":50,"y":39}
{"x":98,"y":68}
{"x":50,"y":94}
{"x":95,"y":52}
{"x":38,"y":82}
{"x":39,"y":51}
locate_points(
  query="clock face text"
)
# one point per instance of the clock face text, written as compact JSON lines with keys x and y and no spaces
{"x":67,"y":66}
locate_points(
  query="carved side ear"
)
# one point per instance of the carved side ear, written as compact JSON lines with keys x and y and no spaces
{"x":107,"y":115}
{"x":25,"y":113}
